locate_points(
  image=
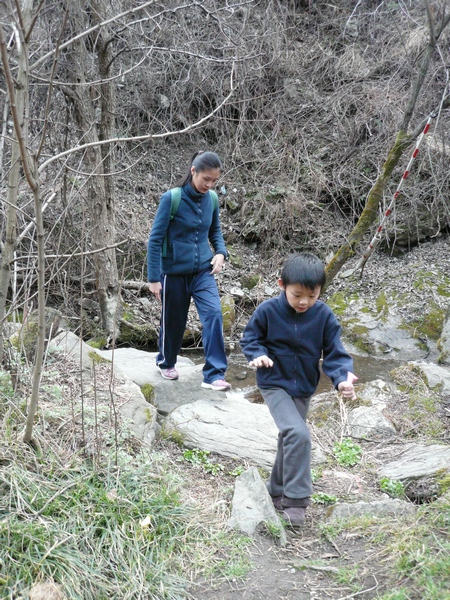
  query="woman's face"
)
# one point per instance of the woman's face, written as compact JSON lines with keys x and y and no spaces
{"x":203,"y":181}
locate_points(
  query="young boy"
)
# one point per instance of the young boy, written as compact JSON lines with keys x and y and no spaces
{"x":285,"y":340}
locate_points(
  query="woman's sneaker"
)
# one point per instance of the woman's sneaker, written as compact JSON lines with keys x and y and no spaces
{"x":171,"y":373}
{"x":219,"y":384}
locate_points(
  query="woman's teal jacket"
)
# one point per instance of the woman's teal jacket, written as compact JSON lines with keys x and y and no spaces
{"x":190,"y":234}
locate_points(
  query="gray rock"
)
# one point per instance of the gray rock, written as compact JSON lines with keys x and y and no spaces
{"x":376,"y":508}
{"x":418,"y":461}
{"x":69,"y":343}
{"x":233,"y":427}
{"x":252,"y":505}
{"x":140,"y":366}
{"x":377,"y":392}
{"x":366,"y":422}
{"x":437,"y":377}
{"x":140,"y":415}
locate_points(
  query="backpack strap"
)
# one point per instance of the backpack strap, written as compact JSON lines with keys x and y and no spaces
{"x":175,"y":199}
{"x":215,"y":199}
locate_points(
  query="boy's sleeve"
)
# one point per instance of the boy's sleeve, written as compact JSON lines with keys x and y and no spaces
{"x":336,"y":361}
{"x":254,"y":337}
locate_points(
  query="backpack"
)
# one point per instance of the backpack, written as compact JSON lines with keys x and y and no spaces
{"x":175,"y":199}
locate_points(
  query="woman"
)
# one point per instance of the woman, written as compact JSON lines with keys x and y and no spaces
{"x":182,"y":266}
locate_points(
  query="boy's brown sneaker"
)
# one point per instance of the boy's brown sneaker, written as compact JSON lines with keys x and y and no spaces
{"x":294,"y":515}
{"x":277,"y":502}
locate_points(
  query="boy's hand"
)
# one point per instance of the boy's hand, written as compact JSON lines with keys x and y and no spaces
{"x":261,"y":361}
{"x":346,"y":387}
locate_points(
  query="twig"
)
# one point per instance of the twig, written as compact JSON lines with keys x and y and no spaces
{"x":361,"y":591}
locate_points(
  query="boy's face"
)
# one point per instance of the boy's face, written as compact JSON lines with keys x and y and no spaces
{"x":300,"y":298}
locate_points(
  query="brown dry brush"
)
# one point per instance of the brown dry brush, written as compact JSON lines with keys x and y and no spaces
{"x":321,"y":88}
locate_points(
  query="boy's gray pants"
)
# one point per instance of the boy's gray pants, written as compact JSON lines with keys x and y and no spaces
{"x":291,"y":473}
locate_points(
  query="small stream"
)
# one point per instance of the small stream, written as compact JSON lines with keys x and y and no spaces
{"x":243,"y":377}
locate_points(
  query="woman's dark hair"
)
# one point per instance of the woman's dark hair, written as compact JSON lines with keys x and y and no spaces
{"x":201,"y":161}
{"x":304,"y":269}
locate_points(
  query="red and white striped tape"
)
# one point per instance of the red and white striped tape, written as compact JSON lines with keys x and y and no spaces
{"x":377,"y":237}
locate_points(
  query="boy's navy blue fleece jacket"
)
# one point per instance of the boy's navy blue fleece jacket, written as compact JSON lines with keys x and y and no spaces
{"x":188,"y":249}
{"x":295,"y":342}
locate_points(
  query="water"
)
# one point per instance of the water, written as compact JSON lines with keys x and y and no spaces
{"x":243,"y":377}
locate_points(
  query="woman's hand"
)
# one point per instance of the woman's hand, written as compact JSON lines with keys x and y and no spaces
{"x":217,"y":263}
{"x":155,"y":289}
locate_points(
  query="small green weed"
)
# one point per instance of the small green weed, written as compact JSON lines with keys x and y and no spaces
{"x":201,"y":458}
{"x":347,"y":453}
{"x":316,"y":474}
{"x":323,"y":498}
{"x":237,"y":471}
{"x":391,"y":487}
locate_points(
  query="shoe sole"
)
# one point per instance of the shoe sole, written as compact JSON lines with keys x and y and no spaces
{"x":210,"y":386}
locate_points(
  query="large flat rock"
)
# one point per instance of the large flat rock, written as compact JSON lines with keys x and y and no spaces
{"x":231,"y":426}
{"x":140,"y":367}
{"x":418,"y":461}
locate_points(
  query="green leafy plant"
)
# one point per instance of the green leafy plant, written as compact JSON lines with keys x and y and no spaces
{"x":201,"y":457}
{"x":391,"y":487}
{"x":347,"y":453}
{"x":237,"y":471}
{"x":323,"y":498}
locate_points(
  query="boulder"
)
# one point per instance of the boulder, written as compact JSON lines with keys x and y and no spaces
{"x":252,"y":506}
{"x":376,"y":508}
{"x":418,"y":461}
{"x":140,"y":367}
{"x":131,"y":403}
{"x":231,"y":426}
{"x":366,"y":422}
{"x":437,"y":378}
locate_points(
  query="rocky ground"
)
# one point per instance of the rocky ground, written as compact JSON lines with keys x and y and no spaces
{"x":325,"y":560}
{"x":394,"y":312}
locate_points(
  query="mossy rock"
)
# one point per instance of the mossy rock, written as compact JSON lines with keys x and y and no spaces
{"x":443,"y":481}
{"x":98,"y":343}
{"x":97,"y":359}
{"x":429,"y":324}
{"x":236,"y":259}
{"x":137,"y":335}
{"x":228,"y":313}
{"x":321,"y":412}
{"x":26,"y":338}
{"x":148,"y":392}
{"x":250,"y":281}
{"x":382,"y":307}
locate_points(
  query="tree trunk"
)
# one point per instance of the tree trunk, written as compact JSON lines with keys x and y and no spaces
{"x":370,"y":212}
{"x":20,"y":101}
{"x":98,"y":162}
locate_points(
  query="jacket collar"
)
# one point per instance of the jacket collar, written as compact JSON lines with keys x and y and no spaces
{"x":192,"y":193}
{"x":287,"y":308}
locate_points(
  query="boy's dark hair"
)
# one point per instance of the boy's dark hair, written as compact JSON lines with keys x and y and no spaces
{"x":304,"y":269}
{"x":202,"y":161}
